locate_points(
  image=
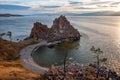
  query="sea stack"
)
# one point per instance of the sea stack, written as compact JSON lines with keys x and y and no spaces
{"x":60,"y":30}
{"x":39,"y":31}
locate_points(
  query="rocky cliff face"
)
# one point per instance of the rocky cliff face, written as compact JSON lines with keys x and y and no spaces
{"x":61,"y":29}
{"x":39,"y":31}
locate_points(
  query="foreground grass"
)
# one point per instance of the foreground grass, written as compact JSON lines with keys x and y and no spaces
{"x":15,"y":71}
{"x":11,"y":67}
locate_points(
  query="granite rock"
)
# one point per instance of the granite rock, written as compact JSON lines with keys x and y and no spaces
{"x":60,"y":30}
{"x":39,"y":31}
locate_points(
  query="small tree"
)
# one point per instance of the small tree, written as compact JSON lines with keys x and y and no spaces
{"x":98,"y":52}
{"x":66,"y":46}
{"x":9,"y":33}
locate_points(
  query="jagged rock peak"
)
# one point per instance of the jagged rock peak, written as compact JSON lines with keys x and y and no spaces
{"x":40,"y":25}
{"x":60,"y":30}
{"x":62,"y":20}
{"x":39,"y":31}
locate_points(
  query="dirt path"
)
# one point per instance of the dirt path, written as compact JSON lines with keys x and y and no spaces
{"x":25,"y":56}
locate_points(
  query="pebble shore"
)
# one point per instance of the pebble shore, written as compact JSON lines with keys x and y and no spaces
{"x":76,"y":71}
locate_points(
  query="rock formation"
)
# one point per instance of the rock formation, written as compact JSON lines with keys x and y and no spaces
{"x":60,"y":30}
{"x":39,"y":31}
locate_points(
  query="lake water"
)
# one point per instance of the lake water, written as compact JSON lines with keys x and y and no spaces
{"x":102,"y":32}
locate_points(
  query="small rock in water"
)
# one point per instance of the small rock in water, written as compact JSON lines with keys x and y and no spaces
{"x":70,"y":58}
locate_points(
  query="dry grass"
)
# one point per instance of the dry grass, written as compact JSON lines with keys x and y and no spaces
{"x":11,"y":67}
{"x":12,"y":71}
{"x":10,"y":50}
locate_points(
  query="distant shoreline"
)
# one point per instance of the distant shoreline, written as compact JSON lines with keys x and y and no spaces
{"x":10,"y":15}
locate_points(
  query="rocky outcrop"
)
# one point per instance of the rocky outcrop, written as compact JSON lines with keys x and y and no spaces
{"x":39,"y":31}
{"x":60,"y":30}
{"x":76,"y":71}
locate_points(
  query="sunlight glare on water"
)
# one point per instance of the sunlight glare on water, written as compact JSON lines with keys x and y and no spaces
{"x":102,"y":32}
{"x":114,"y":58}
{"x":118,"y":65}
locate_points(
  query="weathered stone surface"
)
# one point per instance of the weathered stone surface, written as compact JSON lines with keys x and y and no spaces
{"x":39,"y":31}
{"x":61,"y":29}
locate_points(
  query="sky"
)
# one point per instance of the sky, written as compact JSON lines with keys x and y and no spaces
{"x":57,"y":6}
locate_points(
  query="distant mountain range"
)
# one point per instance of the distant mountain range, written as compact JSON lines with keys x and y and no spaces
{"x":9,"y":15}
{"x":104,"y":13}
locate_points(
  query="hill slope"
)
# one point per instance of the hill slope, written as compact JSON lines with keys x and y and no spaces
{"x":11,"y":67}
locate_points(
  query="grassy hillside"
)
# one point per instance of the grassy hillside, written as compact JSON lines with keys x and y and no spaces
{"x":8,"y":50}
{"x":11,"y":67}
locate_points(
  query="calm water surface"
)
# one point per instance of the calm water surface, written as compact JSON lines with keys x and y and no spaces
{"x":102,"y":32}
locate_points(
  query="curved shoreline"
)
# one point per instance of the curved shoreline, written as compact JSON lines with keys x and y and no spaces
{"x":28,"y":62}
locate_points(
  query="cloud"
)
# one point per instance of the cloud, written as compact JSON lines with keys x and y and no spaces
{"x":114,"y":4}
{"x":71,"y":2}
{"x":50,"y":6}
{"x":99,"y":2}
{"x":13,"y":7}
{"x":86,"y":8}
{"x":57,"y":6}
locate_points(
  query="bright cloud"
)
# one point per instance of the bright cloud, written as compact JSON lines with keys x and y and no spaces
{"x":62,"y":6}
